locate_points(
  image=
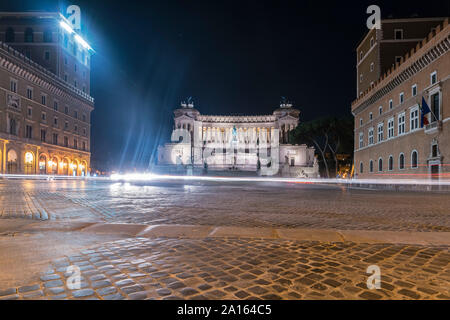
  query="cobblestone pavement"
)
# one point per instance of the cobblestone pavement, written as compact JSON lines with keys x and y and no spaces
{"x":235,"y":268}
{"x":230,"y":204}
{"x":141,"y":268}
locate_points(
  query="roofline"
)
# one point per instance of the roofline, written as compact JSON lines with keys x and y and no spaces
{"x":399,"y":20}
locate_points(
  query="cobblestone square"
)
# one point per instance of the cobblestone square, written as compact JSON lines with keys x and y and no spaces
{"x":227,"y":240}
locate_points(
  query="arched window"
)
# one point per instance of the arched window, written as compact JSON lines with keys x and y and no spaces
{"x":48,"y":35}
{"x":29,"y":35}
{"x":391,"y":163}
{"x":371,"y":165}
{"x":361,"y":168}
{"x":380,"y":165}
{"x":414,"y":159}
{"x":401,"y":161}
{"x":9,"y":35}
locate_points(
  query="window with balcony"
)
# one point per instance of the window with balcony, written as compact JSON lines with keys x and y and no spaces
{"x":435,"y":107}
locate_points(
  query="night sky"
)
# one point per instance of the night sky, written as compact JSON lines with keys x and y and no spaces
{"x":232,"y":57}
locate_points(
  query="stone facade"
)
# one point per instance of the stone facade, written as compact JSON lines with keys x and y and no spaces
{"x":44,"y":118}
{"x":390,"y":139}
{"x":238,"y":143}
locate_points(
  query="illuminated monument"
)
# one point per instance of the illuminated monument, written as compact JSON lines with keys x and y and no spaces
{"x":45,"y":88}
{"x":237,"y":143}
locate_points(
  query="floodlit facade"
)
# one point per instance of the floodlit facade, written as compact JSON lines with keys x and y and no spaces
{"x":395,"y":134}
{"x":45,"y":105}
{"x":238,"y":143}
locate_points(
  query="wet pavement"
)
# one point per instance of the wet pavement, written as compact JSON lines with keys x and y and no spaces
{"x":241,"y":267}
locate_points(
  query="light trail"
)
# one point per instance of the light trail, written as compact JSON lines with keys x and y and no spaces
{"x":142,"y":177}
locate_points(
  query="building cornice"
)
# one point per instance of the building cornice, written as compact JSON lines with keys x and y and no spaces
{"x":16,"y":63}
{"x":425,"y":53}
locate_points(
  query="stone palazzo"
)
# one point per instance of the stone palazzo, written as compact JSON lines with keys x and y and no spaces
{"x":258,"y":144}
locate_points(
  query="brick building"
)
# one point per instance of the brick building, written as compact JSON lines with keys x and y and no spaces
{"x":398,"y":65}
{"x":45,"y":106}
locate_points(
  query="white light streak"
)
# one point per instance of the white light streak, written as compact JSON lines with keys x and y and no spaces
{"x":152,"y":177}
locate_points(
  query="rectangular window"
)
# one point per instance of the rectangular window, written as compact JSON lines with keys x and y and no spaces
{"x":55,"y":122}
{"x":402,"y":97}
{"x":84,"y":117}
{"x":47,"y":55}
{"x":66,"y":125}
{"x":370,"y":116}
{"x":414,"y":90}
{"x":66,"y":142}
{"x":44,"y":99}
{"x":55,"y":105}
{"x":360,"y":122}
{"x":84,"y":149}
{"x":361,"y":140}
{"x":435,"y":108}
{"x":66,"y":110}
{"x":55,"y":138}
{"x":75,"y":143}
{"x":370,"y":136}
{"x":29,"y":132}
{"x":401,"y":123}
{"x":372,"y":66}
{"x":414,"y":119}
{"x":75,"y":114}
{"x":30,"y":93}
{"x":398,"y":34}
{"x":391,"y":104}
{"x":30,"y":112}
{"x":44,"y":117}
{"x":380,"y":110}
{"x":390,"y":128}
{"x":433,"y":78}
{"x":43,"y":135}
{"x":380,"y":132}
{"x":13,"y":85}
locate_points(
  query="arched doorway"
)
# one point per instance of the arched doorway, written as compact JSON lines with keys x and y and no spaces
{"x":83,"y":168}
{"x":42,"y":164}
{"x":74,"y":167}
{"x":29,"y":163}
{"x":12,"y":162}
{"x":53,"y":166}
{"x":65,"y":167}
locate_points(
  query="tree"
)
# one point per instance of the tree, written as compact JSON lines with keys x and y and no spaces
{"x":331,"y":133}
{"x":316,"y":132}
{"x":341,"y":138}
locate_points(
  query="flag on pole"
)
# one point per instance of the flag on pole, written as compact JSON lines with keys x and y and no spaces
{"x":425,"y":109}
